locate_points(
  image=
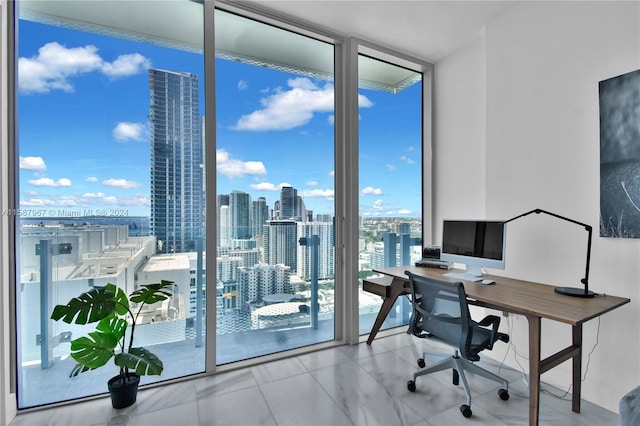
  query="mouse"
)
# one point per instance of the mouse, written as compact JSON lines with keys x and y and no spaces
{"x":488,"y":282}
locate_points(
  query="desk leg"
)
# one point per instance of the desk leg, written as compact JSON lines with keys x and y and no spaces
{"x":534,"y":369}
{"x":577,"y":367}
{"x":396,"y":289}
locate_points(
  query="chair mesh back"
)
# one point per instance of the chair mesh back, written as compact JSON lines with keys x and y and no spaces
{"x":440,"y":309}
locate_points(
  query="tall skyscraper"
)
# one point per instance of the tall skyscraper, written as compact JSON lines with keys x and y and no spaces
{"x":291,"y":205}
{"x":177,"y":193}
{"x":239,"y":215}
{"x":288,"y":202}
{"x":223,"y":222}
{"x":281,"y":243}
{"x":259,"y":216}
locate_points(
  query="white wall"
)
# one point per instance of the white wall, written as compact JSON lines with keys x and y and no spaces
{"x":459,"y":135}
{"x":542,"y":62}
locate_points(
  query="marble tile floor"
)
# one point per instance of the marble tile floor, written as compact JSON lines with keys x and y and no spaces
{"x":344,"y":385}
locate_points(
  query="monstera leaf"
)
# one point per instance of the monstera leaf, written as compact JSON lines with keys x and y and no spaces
{"x":93,"y":305}
{"x":93,"y":351}
{"x":113,"y":325}
{"x":152,"y":293}
{"x":141,"y":360}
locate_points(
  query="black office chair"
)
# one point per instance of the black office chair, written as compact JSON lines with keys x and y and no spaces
{"x":440,"y":310}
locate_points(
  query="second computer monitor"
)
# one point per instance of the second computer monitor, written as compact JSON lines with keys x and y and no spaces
{"x":476,"y":243}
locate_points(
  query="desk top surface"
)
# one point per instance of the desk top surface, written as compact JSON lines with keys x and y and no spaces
{"x":523,"y":297}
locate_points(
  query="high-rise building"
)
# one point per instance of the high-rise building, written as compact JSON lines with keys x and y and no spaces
{"x":288,"y":202}
{"x":222,"y":225}
{"x":177,"y":193}
{"x":259,"y":216}
{"x":239,"y":215}
{"x":257,"y":281}
{"x":290,"y":205}
{"x":326,"y":250}
{"x":281,"y":243}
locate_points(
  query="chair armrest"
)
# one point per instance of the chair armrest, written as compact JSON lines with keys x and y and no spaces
{"x":494,"y":322}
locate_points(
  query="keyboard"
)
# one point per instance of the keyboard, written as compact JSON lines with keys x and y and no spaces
{"x":464,"y":276}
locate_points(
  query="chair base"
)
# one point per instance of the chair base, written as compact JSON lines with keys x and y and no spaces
{"x":460,"y":365}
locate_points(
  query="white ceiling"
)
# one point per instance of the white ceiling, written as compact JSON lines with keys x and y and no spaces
{"x":428,"y":30}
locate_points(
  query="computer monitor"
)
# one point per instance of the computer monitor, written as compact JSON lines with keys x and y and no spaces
{"x":476,"y":243}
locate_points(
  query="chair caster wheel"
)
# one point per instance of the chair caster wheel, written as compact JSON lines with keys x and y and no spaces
{"x":465,"y":410}
{"x":421,"y":363}
{"x":411,"y":385}
{"x":503,"y":394}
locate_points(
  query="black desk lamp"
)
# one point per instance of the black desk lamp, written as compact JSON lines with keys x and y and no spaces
{"x":569,"y":291}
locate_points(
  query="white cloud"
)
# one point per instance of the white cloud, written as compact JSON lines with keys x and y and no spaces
{"x":312,"y":193}
{"x":369,"y":190}
{"x":33,"y":202}
{"x":232,"y":167}
{"x":121,"y":183}
{"x":136,"y":200}
{"x":91,"y":179}
{"x":125,"y":131}
{"x":331,"y":119}
{"x":243,"y":85}
{"x":125,"y":65}
{"x":267,"y":186}
{"x":295,"y":107}
{"x":54,"y":65}
{"x":407,"y":160}
{"x":32,"y":163}
{"x":404,"y":211}
{"x":332,"y":173}
{"x":88,"y":200}
{"x":312,"y":183}
{"x":364,"y":102}
{"x":49,"y":182}
{"x":390,"y":167}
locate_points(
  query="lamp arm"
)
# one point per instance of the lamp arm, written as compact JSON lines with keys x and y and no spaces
{"x":587,"y":228}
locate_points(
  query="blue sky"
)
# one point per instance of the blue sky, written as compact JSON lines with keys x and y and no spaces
{"x":84,"y":133}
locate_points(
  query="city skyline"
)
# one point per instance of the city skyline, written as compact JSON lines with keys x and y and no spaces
{"x":85,"y":139}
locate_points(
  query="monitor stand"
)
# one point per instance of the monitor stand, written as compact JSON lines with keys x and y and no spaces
{"x":473,"y":273}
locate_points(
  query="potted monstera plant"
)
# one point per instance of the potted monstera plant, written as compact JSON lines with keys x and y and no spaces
{"x":112,"y":310}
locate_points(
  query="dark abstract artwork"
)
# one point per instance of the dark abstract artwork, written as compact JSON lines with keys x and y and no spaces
{"x":620,"y":156}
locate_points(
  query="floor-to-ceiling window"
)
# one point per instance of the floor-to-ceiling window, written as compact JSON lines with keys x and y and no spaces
{"x":275,"y":189}
{"x":391,"y":177}
{"x":111,"y":180}
{"x":112,"y":153}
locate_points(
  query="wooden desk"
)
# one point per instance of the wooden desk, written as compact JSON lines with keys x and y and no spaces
{"x":533,"y":300}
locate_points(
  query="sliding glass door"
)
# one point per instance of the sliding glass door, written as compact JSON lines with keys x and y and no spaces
{"x":275,"y":189}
